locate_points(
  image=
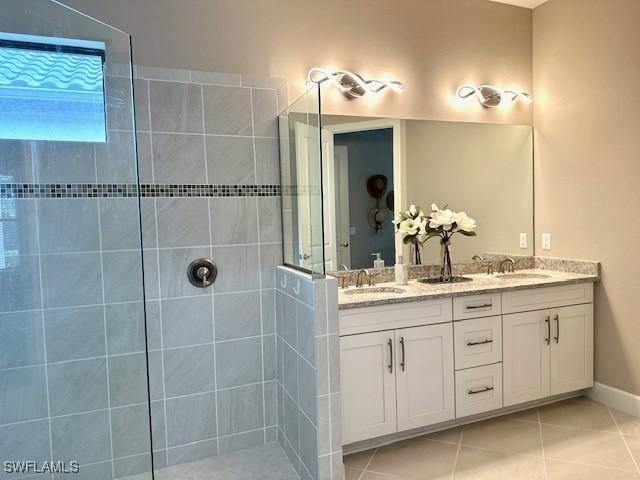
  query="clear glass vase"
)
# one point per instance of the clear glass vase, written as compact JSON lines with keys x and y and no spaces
{"x":416,"y":252}
{"x":446,"y":271}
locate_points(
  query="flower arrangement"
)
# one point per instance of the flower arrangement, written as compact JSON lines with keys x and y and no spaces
{"x":416,"y":227}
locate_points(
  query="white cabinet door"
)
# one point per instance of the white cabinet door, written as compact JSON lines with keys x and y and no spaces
{"x":424,"y":375}
{"x":525,"y":356}
{"x":571,"y":348}
{"x":368,"y":386}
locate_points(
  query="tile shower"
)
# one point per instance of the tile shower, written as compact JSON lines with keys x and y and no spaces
{"x":211,"y":351}
{"x":109,"y":356}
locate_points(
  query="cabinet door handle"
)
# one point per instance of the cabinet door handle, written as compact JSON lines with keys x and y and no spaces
{"x":548,"y":322}
{"x":402,"y":363}
{"x":481,"y":390}
{"x":390,"y":343}
{"x":481,"y":342}
{"x":474,"y":307}
{"x":557,"y":337}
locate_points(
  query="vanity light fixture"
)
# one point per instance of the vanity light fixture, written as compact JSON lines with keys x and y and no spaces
{"x":351,"y":84}
{"x":490,"y":96}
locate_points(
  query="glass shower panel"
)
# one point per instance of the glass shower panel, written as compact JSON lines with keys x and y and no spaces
{"x":300,"y":158}
{"x":73,"y":366}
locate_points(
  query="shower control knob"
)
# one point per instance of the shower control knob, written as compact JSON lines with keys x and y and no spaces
{"x":202,"y":272}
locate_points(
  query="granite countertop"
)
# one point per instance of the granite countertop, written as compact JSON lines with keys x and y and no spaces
{"x":480,"y":284}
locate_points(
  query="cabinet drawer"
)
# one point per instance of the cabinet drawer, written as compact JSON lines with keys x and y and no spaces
{"x":477,"y":342}
{"x":478,"y":390}
{"x":475,"y":306}
{"x":548,"y":297}
{"x":397,"y":315}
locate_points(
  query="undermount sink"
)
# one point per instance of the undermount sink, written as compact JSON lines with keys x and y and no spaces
{"x":522,"y":276}
{"x":360,"y":291}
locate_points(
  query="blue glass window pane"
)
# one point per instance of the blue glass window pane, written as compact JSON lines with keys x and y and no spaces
{"x":51,"y":95}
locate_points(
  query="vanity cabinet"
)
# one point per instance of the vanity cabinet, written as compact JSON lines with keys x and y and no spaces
{"x":396,"y":380}
{"x":412,"y":365}
{"x":547,"y":352}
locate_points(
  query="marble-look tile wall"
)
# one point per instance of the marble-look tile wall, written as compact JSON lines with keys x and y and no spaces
{"x":308,"y":374}
{"x":212,"y":352}
{"x":73,"y":382}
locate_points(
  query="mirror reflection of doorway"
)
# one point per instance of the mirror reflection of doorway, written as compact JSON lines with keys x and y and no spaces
{"x":359,"y":155}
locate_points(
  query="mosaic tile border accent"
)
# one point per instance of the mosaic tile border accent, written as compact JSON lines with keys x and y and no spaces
{"x":130,"y":190}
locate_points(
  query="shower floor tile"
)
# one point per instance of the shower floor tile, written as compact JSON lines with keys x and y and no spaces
{"x":266,"y":462}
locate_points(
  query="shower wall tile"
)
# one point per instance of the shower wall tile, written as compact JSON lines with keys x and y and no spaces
{"x":63,"y":162}
{"x":187,"y":321}
{"x":75,"y":333}
{"x":230,"y":160}
{"x":160,"y":73}
{"x":125,"y":331}
{"x":78,"y":386}
{"x":265,"y":112}
{"x":191,"y":419}
{"x":183,"y":222}
{"x":178,"y":158}
{"x":128,"y":379}
{"x":122,"y":272}
{"x":237,"y":315}
{"x":173,"y":271}
{"x":145,"y":160}
{"x":212,"y":78}
{"x":234,"y":221}
{"x":130,"y":466}
{"x":240,"y":409}
{"x":192,"y":452}
{"x":21,"y":339}
{"x":130,"y":430}
{"x":23,"y":394}
{"x":25,"y":440}
{"x":68,"y":225}
{"x":238,"y":268}
{"x":175,"y":107}
{"x":270,"y":219}
{"x":267,"y":161}
{"x":188,"y":370}
{"x":141,"y":102}
{"x":71,"y":280}
{"x":83,"y":437}
{"x":227,"y":110}
{"x":26,"y":226}
{"x":241,"y":441}
{"x":115,"y":160}
{"x":238,"y":362}
{"x":15,"y":161}
{"x":119,"y":100}
{"x":119,"y":224}
{"x":158,"y":425}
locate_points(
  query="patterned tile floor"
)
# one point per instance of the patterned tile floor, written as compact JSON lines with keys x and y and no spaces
{"x":576,"y":439}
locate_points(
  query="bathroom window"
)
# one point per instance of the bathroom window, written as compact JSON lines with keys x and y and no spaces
{"x":51,"y":89}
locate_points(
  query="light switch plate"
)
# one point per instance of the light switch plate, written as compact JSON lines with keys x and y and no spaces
{"x":546,"y":241}
{"x":523,"y":240}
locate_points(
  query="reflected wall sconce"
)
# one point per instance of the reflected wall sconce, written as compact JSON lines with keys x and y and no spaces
{"x":490,"y":96}
{"x":351,"y":84}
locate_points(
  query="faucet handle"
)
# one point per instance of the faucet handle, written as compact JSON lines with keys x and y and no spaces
{"x":372,"y":275}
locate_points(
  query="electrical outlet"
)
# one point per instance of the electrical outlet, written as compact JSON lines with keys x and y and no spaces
{"x":523,"y":240}
{"x":546,"y":241}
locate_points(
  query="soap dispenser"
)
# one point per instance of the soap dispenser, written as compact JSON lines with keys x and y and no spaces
{"x":378,"y":262}
{"x":402,"y":274}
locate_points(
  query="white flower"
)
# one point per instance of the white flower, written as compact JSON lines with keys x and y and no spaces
{"x":442,"y":218}
{"x":413,"y":210}
{"x":434,"y":207}
{"x":409,"y":226}
{"x":465,"y":223}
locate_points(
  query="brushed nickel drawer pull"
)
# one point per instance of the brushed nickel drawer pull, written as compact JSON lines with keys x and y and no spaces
{"x":548,"y":322}
{"x":474,"y":307}
{"x":557,"y":337}
{"x":390,"y":366}
{"x":481,"y":342}
{"x":482,"y":390}
{"x":402,"y":363}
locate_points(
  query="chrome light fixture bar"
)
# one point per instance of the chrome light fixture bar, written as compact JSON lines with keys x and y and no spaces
{"x":351,"y":84}
{"x":490,"y":96}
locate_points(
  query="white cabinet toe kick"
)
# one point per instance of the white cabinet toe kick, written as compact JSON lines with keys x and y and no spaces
{"x":433,"y":363}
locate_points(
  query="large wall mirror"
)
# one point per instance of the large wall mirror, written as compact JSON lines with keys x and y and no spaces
{"x":375,"y":167}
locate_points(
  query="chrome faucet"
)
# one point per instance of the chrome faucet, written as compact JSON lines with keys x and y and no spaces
{"x":510,"y":265}
{"x":359,"y":277}
{"x":489,"y":265}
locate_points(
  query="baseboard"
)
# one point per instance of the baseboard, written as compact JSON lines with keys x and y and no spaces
{"x":615,"y":398}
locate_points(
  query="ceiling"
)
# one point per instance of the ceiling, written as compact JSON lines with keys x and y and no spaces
{"x":522,"y":3}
